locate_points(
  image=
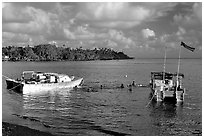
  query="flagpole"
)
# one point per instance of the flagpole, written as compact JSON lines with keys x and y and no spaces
{"x":179,"y":60}
{"x":164,"y":64}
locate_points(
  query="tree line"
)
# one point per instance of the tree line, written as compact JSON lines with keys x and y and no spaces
{"x":49,"y":52}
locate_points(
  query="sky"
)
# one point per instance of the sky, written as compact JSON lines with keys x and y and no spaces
{"x":139,"y":29}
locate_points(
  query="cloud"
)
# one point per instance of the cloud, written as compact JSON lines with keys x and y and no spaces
{"x":119,"y":36}
{"x":10,"y":13}
{"x":189,"y":26}
{"x":118,"y":25}
{"x":84,"y":32}
{"x":180,"y":33}
{"x":111,"y":43}
{"x":145,"y":38}
{"x":15,"y":37}
{"x":69,"y":34}
{"x":80,"y":32}
{"x":123,"y":15}
{"x":190,"y":20}
{"x":27,"y":20}
{"x":57,"y":20}
{"x":172,"y":41}
{"x":147,"y":33}
{"x":197,"y":9}
{"x":187,"y":21}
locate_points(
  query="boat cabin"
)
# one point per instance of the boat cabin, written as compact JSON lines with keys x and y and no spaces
{"x":167,"y":85}
{"x":41,"y":77}
{"x":165,"y":78}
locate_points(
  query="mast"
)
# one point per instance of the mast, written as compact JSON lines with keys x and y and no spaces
{"x":164,"y":68}
{"x":179,"y":61}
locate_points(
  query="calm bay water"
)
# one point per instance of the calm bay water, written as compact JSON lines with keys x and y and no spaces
{"x":108,"y":111}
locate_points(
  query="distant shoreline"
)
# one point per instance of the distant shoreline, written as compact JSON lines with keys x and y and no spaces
{"x":9,"y":129}
{"x":130,"y":58}
{"x":168,"y":58}
{"x":48,"y":52}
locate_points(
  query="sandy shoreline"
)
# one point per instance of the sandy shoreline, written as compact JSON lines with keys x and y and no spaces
{"x":9,"y":129}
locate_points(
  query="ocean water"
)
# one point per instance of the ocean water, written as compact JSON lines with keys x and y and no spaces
{"x":92,"y":111}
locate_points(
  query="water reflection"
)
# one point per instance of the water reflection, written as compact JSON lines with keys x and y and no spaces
{"x":164,"y":115}
{"x":165,"y":109}
{"x":50,"y":100}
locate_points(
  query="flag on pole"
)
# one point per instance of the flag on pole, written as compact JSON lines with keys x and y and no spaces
{"x":187,"y":47}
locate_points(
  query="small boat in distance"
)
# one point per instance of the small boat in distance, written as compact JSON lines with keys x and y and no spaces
{"x":33,"y":82}
{"x":167,"y":85}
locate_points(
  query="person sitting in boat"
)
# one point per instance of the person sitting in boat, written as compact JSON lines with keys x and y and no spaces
{"x":22,"y":78}
{"x":133,"y":83}
{"x":40,"y":78}
{"x":166,"y":81}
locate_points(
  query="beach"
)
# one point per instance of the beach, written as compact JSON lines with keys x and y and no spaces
{"x":9,"y":129}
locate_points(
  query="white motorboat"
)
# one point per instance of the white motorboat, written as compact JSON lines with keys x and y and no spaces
{"x":32,"y":82}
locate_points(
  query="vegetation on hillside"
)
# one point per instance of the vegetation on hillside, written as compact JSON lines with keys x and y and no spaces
{"x":48,"y":52}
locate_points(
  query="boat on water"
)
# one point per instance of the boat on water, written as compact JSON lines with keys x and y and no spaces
{"x":33,"y":82}
{"x":167,"y":85}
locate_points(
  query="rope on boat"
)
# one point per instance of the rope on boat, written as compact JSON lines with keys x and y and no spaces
{"x":6,"y":77}
{"x":150,"y":101}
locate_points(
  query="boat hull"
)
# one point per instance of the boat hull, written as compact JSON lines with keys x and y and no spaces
{"x":14,"y":85}
{"x":21,"y":87}
{"x":169,"y":94}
